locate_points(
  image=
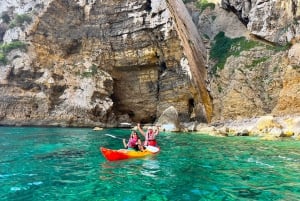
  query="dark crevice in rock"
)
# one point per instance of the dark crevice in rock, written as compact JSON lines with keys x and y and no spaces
{"x":148,"y":120}
{"x":191,"y":105}
{"x":244,"y":20}
{"x":97,"y":95}
{"x":96,"y":112}
{"x":3,"y":28}
{"x":294,"y":7}
{"x":261,"y":39}
{"x":57,"y":77}
{"x":147,"y":6}
{"x":131,"y":114}
{"x":259,"y":3}
{"x":25,"y":80}
{"x":152,"y":86}
{"x":54,"y":93}
{"x":73,"y":47}
{"x":162,"y":67}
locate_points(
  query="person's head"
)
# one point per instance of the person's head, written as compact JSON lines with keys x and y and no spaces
{"x":134,"y":134}
{"x":150,"y":129}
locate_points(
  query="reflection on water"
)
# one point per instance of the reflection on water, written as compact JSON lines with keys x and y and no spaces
{"x":151,"y":168}
{"x":148,"y":166}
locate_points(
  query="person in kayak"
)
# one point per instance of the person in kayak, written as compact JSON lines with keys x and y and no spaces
{"x":149,"y":135}
{"x":134,"y":142}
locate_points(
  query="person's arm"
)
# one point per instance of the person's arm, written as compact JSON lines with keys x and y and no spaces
{"x":156,"y":131}
{"x":139,"y":143}
{"x":124,"y":143}
{"x":140,"y":129}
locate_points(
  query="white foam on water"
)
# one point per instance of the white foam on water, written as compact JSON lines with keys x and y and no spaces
{"x":251,"y":160}
{"x":36,"y":183}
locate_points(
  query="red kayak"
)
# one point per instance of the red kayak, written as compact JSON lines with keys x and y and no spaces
{"x":122,"y":154}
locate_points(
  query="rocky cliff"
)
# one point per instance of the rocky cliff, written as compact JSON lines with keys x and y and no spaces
{"x":253,"y":56}
{"x":86,"y":63}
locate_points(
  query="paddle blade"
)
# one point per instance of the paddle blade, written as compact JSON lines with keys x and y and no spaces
{"x":152,"y":149}
{"x":111,"y":135}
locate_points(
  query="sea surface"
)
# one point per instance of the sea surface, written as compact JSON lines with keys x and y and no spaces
{"x":54,"y":164}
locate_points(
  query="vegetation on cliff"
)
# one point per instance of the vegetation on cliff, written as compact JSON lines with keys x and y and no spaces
{"x":201,"y":4}
{"x":5,"y":48}
{"x":223,"y":47}
{"x":20,"y":20}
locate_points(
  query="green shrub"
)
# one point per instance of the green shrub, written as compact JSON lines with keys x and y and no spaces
{"x":2,"y":59}
{"x":7,"y":47}
{"x":278,"y":48}
{"x":220,"y":50}
{"x":20,"y":20}
{"x":206,"y":36}
{"x":220,"y":89}
{"x":92,"y":71}
{"x":203,"y":4}
{"x":255,"y":62}
{"x":223,"y":47}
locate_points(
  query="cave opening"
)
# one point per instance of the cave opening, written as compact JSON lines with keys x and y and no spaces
{"x":191,"y":106}
{"x":147,"y":6}
{"x":162,"y":66}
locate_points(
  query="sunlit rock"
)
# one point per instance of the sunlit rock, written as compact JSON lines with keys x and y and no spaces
{"x":169,"y":120}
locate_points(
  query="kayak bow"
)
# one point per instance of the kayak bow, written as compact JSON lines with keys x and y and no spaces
{"x":122,"y":154}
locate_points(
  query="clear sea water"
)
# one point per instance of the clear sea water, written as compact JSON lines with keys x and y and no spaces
{"x":53,"y":164}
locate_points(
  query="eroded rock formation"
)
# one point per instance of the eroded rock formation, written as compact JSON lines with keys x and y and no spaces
{"x":90,"y":63}
{"x":102,"y":62}
{"x":275,"y":21}
{"x":252,"y":81}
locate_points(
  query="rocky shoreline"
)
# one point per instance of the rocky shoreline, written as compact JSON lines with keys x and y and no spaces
{"x":267,"y":127}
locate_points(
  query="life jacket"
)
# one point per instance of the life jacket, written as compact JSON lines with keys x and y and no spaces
{"x":132,"y":142}
{"x":150,"y":135}
{"x":150,"y":140}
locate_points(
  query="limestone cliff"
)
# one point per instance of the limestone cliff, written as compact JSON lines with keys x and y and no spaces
{"x":100,"y":63}
{"x":253,"y":56}
{"x":86,"y":63}
{"x":275,"y":21}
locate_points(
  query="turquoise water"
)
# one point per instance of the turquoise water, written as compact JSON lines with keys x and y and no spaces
{"x":65,"y":164}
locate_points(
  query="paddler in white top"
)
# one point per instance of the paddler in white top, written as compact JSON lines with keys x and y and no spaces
{"x":149,"y":135}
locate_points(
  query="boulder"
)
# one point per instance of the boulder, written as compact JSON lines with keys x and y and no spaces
{"x":266,"y":123}
{"x":169,"y":120}
{"x":188,"y":126}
